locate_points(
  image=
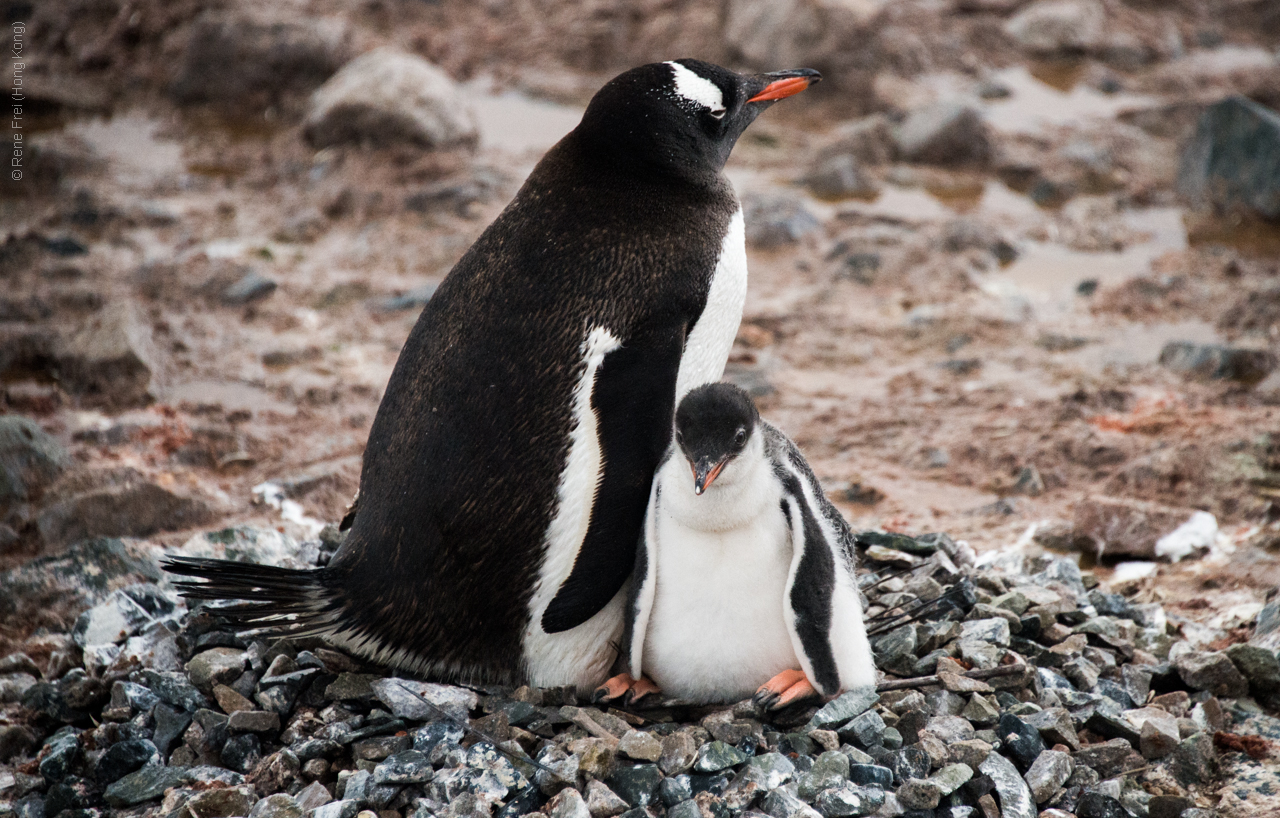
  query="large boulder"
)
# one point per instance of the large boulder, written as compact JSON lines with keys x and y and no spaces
{"x":30,"y":459}
{"x":388,"y":97}
{"x":943,"y":133}
{"x":252,"y":61}
{"x":1052,"y":27}
{"x":1233,"y":162}
{"x":111,"y":360}
{"x":768,"y":33}
{"x":116,"y":503}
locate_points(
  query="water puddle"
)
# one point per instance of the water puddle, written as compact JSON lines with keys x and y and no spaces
{"x":1049,"y":273}
{"x":1044,"y":95}
{"x":512,"y":122}
{"x":232,"y":396}
{"x":130,"y":143}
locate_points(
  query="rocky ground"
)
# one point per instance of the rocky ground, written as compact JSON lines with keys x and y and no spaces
{"x":1014,"y":277}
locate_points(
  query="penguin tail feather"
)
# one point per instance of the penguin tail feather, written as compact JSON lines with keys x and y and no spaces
{"x":272,"y":601}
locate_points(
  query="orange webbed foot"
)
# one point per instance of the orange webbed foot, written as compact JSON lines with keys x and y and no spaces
{"x":624,"y":690}
{"x":788,"y":687}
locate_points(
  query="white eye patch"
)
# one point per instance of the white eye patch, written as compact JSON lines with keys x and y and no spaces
{"x":698,"y":90}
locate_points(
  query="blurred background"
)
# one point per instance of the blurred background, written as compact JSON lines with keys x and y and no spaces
{"x":1015,"y":265}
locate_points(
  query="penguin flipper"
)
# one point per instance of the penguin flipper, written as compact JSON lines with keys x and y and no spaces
{"x":634,"y":401}
{"x":644,"y":583}
{"x":822,"y":607}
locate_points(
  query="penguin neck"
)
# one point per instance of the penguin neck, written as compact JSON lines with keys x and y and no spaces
{"x":642,"y":158}
{"x":734,"y":500}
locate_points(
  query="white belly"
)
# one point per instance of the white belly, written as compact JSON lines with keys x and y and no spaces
{"x":707,"y":348}
{"x":716,"y":632}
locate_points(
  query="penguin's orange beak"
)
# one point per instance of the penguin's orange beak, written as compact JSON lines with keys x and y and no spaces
{"x":783,"y":84}
{"x":704,"y":473}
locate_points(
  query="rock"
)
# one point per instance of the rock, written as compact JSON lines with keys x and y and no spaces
{"x":782,"y":804}
{"x":110,"y":360}
{"x":1048,"y":772}
{"x":1212,"y":671}
{"x":279,"y":805}
{"x":1059,"y":26}
{"x":602,"y":802}
{"x":1158,"y":738}
{"x":1055,"y":726}
{"x":216,"y":666}
{"x":221,"y":803}
{"x":568,"y":803}
{"x":1168,"y":806}
{"x":640,"y":746}
{"x":717,"y":756}
{"x":919,"y":793}
{"x":828,"y":770}
{"x":1122,"y":527}
{"x":1015,"y":798}
{"x":840,"y":177}
{"x":1233,"y":162}
{"x":943,"y":133}
{"x":125,"y":757}
{"x":1196,"y":761}
{"x":121,"y":615}
{"x":251,"y":61}
{"x":637,"y":785}
{"x":115,"y":502}
{"x":844,"y":708}
{"x":848,"y":799}
{"x":406,"y":767}
{"x":777,"y":220}
{"x":770,"y":770}
{"x":1107,"y":757}
{"x":387,"y":97}
{"x":971,"y":752}
{"x":1097,"y":805}
{"x":1218,"y":362}
{"x":678,"y":753}
{"x":254,"y":721}
{"x":796,"y":32}
{"x":401,"y":697}
{"x":252,"y":286}
{"x":30,"y":459}
{"x":312,"y":796}
{"x":146,"y":784}
{"x":1258,"y":665}
{"x":52,"y":591}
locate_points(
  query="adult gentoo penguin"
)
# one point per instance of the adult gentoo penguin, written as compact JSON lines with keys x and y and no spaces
{"x":744,"y":580}
{"x":507,"y":472}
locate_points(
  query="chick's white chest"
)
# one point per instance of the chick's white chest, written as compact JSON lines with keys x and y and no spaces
{"x":717,"y":631}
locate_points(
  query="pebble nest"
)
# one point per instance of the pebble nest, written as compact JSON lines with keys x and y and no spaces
{"x":1012,"y":689}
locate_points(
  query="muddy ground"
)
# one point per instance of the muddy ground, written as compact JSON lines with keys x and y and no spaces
{"x":970,"y":345}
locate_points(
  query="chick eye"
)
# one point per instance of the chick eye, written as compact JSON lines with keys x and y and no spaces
{"x":740,"y":437}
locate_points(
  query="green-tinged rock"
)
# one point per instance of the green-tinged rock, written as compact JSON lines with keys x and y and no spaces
{"x":716,"y":756}
{"x":145,"y":785}
{"x":841,"y":709}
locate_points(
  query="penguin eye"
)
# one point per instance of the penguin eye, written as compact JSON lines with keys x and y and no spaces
{"x":718,"y":114}
{"x":679,"y":438}
{"x":740,"y":437}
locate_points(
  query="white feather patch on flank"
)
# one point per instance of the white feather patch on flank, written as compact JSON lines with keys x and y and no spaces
{"x":707,"y":349}
{"x":696,"y":89}
{"x":580,"y":656}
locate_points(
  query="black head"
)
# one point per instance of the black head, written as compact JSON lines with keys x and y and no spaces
{"x":682,"y":117}
{"x":714,"y":424}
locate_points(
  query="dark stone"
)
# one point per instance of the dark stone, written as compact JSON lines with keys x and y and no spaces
{"x":1196,"y":761}
{"x":907,"y":763}
{"x":1218,"y":362}
{"x":48,"y":704}
{"x":125,"y":757}
{"x":1097,"y":805}
{"x":71,"y":793}
{"x":714,"y":783}
{"x":1168,"y":806}
{"x":1021,"y":741}
{"x":1112,"y":605}
{"x":871,"y":775}
{"x":1233,"y":162}
{"x":242,"y":753}
{"x":60,"y":754}
{"x":637,"y":785}
{"x":174,"y":689}
{"x":170,"y":724}
{"x":145,"y":785}
{"x":910,"y":724}
{"x":30,"y":459}
{"x":675,"y":789}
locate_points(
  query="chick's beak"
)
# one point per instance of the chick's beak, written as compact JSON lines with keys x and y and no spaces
{"x":705,"y":472}
{"x":783,"y":84}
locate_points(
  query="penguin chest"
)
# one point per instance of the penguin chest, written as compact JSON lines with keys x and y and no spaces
{"x":708,"y":345}
{"x":717,"y":629}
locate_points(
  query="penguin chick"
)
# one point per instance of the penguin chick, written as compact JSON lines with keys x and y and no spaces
{"x":744,"y":581}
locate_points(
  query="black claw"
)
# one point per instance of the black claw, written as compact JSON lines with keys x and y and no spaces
{"x":600,"y":694}
{"x":765,"y":698}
